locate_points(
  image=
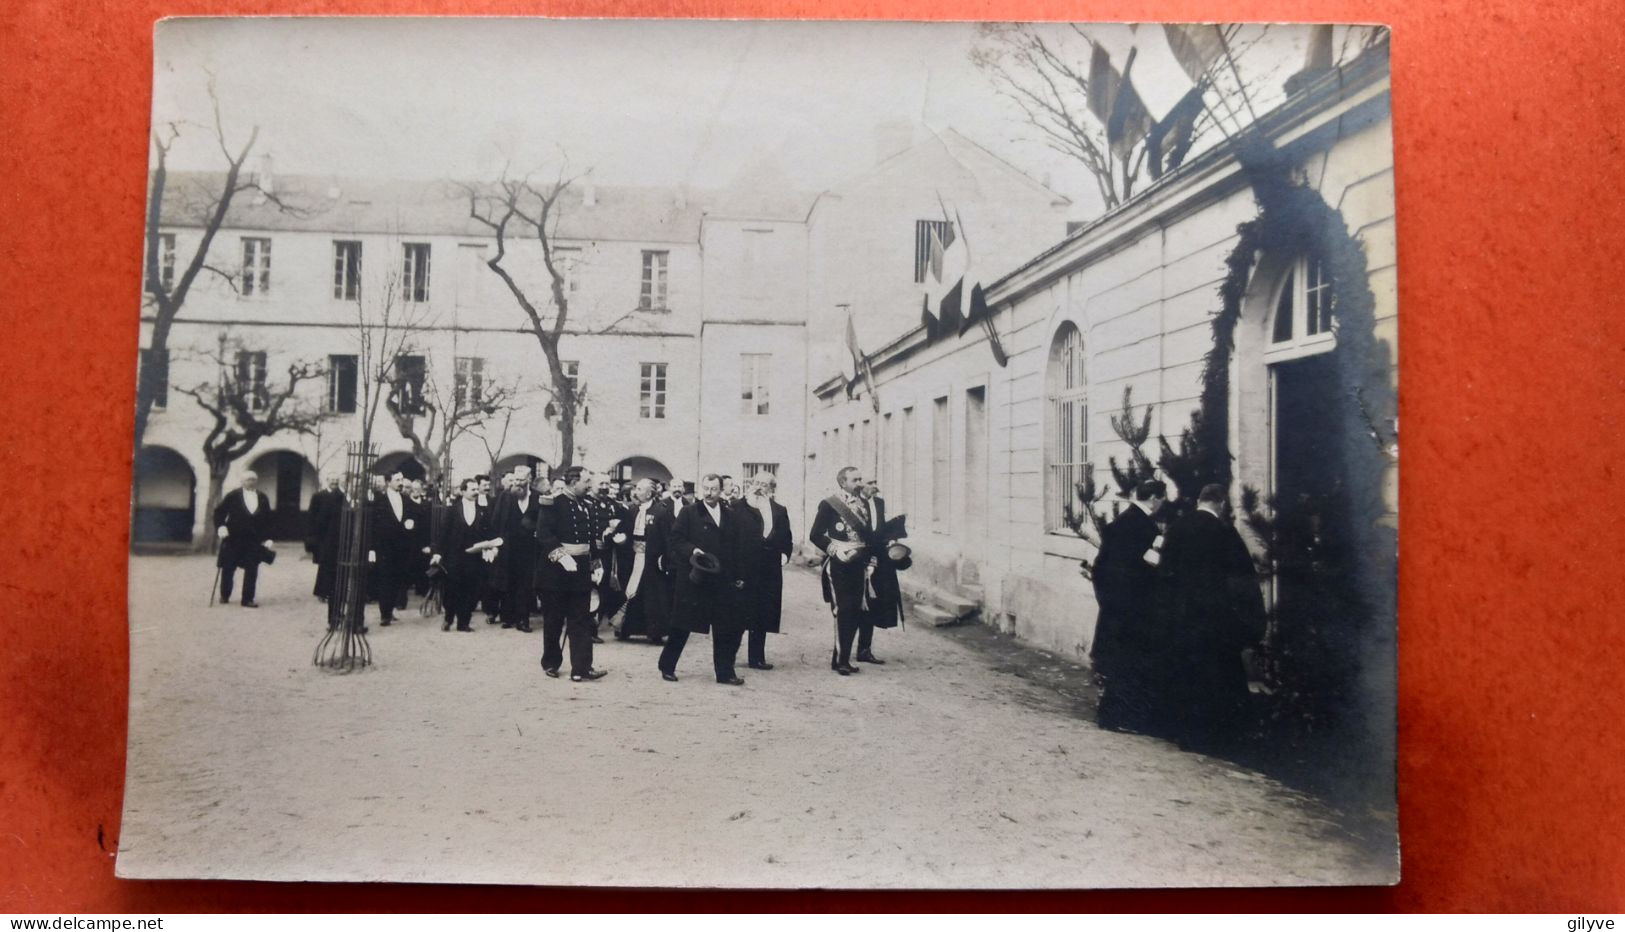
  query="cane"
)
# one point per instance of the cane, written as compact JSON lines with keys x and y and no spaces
{"x":216,"y":587}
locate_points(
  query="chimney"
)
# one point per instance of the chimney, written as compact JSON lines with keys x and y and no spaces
{"x":589,"y":195}
{"x":264,"y":177}
{"x":892,"y":137}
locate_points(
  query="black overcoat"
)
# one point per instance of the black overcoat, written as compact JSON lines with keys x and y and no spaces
{"x":696,"y":606}
{"x":759,"y":562}
{"x":246,"y":534}
{"x":1127,"y":591}
{"x":455,"y":535}
{"x":649,"y":613}
{"x":1218,"y":609}
{"x":515,"y":567}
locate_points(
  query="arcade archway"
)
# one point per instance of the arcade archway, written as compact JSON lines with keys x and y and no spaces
{"x":165,"y":497}
{"x":288,"y":480}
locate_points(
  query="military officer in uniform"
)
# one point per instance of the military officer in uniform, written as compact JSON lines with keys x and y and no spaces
{"x":567,"y":533}
{"x":840,"y":529}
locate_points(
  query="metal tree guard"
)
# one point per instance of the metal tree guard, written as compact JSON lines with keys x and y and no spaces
{"x":344,"y":648}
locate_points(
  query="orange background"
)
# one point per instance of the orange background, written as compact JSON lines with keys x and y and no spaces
{"x":1508,"y":127}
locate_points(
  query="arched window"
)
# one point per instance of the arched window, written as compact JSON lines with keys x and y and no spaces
{"x":1301,"y":323}
{"x":1067,"y":434}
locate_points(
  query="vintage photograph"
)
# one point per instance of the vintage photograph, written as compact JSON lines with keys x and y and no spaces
{"x":766,"y":454}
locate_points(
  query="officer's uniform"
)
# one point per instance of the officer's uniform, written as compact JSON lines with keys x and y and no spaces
{"x":570,"y":526}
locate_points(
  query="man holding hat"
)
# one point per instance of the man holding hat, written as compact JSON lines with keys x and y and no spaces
{"x":242,"y":522}
{"x":704,"y":584}
{"x":517,"y":518}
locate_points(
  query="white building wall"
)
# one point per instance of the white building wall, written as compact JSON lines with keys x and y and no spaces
{"x":1142,"y":287}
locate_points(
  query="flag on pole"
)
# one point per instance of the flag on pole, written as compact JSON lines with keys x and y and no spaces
{"x":861,"y":369}
{"x":1161,"y":67}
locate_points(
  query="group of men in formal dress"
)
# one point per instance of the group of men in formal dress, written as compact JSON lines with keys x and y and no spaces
{"x":1177,"y":609}
{"x":650,"y":560}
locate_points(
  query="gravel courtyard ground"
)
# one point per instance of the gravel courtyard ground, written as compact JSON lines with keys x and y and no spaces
{"x":455,"y":760}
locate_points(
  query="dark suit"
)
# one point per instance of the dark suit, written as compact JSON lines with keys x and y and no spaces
{"x":1217,"y":610}
{"x":1128,"y":646}
{"x":567,"y":522}
{"x":421,"y":538}
{"x":464,"y":570}
{"x":843,"y":582}
{"x":516,"y":521}
{"x":616,"y":559}
{"x":390,"y":540}
{"x":244,"y":544}
{"x":759,"y":556}
{"x":702,"y":606}
{"x":649,"y":611}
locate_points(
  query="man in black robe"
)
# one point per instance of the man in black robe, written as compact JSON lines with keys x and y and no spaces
{"x":516,"y":522}
{"x":242,"y":523}
{"x":762,"y":544}
{"x":490,"y":594}
{"x":702,"y":601}
{"x":464,"y":538}
{"x":648,"y":587}
{"x":567,"y":533}
{"x":421,"y":536}
{"x":326,"y":517}
{"x":1128,"y":648}
{"x":840,"y":529}
{"x":1218,"y":611}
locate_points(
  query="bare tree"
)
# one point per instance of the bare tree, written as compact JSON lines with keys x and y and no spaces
{"x":432,"y":417}
{"x":164,"y":293}
{"x":515,"y":209}
{"x":387,"y":328}
{"x":247,"y":408}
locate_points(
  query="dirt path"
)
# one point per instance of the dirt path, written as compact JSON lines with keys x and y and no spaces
{"x":455,"y":760}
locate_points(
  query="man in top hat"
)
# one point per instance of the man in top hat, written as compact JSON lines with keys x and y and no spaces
{"x":841,"y":530}
{"x":516,"y":522}
{"x":1129,"y":643}
{"x":884,"y":596}
{"x":648,"y":587}
{"x":1217,"y":611}
{"x":242,"y":523}
{"x":762,"y":546}
{"x":568,"y":531}
{"x":465,"y":538}
{"x":705,"y":579}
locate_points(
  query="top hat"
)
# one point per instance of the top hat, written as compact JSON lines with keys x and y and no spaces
{"x":701,"y":565}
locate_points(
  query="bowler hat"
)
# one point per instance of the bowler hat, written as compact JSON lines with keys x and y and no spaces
{"x":897,"y":551}
{"x":699,"y":563}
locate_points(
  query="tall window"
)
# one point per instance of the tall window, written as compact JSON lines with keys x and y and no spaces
{"x":752,"y":470}
{"x":567,"y":259}
{"x":415,"y":271}
{"x":468,"y":383}
{"x":410,"y":374}
{"x":1303,"y":313}
{"x":925,"y":253}
{"x":653,"y":295}
{"x":652,"y":390}
{"x":346,"y":269}
{"x":907,"y":477}
{"x":975,"y":457}
{"x":251,"y":379}
{"x":754,"y":369}
{"x":155,"y":373}
{"x":866,"y":441}
{"x":572,"y":374}
{"x":256,"y":275}
{"x":341,"y":384}
{"x":166,"y":259}
{"x":1068,"y":433}
{"x":941,"y":466}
